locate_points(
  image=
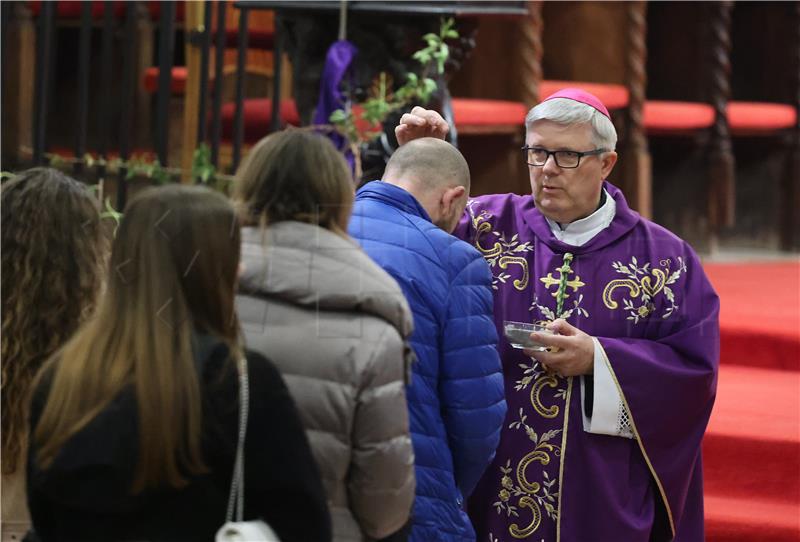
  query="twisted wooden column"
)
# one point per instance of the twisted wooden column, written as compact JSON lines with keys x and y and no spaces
{"x":790,"y":185}
{"x":530,"y":54}
{"x":721,"y":200}
{"x":19,"y":51}
{"x":637,"y":171}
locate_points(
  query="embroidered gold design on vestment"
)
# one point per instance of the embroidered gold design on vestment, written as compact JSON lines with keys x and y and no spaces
{"x":519,"y":284}
{"x":536,"y":520}
{"x":639,"y":284}
{"x":530,"y":495}
{"x":502,"y":253}
{"x":480,"y":229}
{"x":561,"y":292}
{"x":536,"y":402}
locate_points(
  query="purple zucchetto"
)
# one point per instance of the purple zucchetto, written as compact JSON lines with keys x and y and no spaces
{"x":581,"y":96}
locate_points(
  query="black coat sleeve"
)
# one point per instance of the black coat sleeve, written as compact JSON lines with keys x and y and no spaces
{"x":282,"y":481}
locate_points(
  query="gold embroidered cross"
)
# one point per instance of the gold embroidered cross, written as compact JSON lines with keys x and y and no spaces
{"x":550,"y":281}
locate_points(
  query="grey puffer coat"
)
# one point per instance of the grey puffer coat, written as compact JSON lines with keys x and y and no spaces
{"x":335,"y":324}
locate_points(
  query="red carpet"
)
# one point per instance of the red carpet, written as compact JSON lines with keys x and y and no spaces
{"x":751,"y":451}
{"x":760,"y":313}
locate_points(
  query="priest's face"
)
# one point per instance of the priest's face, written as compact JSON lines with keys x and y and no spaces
{"x":567,"y":194}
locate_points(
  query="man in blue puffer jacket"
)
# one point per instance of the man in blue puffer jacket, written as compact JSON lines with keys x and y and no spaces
{"x":456,"y":399}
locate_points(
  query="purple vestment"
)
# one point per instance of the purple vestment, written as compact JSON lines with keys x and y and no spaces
{"x":643,"y":293}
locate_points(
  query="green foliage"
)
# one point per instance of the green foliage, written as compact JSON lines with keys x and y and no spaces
{"x":382,"y":102}
{"x":113,"y":214}
{"x":202,"y":168}
{"x":203,"y":171}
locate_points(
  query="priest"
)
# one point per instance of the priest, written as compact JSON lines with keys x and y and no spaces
{"x":605,"y":419}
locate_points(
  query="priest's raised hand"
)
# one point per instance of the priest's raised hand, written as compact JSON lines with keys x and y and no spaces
{"x":419,"y":123}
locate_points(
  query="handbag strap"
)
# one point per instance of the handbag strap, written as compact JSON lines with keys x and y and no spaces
{"x":236,"y":497}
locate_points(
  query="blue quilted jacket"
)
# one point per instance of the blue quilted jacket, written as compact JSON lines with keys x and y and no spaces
{"x":456,"y":400}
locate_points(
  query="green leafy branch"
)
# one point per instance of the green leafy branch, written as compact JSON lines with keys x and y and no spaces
{"x":382,"y":102}
{"x":113,"y":214}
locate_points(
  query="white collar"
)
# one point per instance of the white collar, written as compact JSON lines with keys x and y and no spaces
{"x":581,"y":231}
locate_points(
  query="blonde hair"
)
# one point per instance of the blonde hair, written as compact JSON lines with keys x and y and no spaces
{"x":295,"y":175}
{"x":173,"y":271}
{"x":53,"y":255}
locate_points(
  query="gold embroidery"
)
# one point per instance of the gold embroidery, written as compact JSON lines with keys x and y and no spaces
{"x":560,"y":293}
{"x":640,"y":283}
{"x":519,"y":284}
{"x":536,"y":402}
{"x":660,"y":281}
{"x":536,"y":520}
{"x":502,"y":253}
{"x":481,"y":228}
{"x":644,"y":285}
{"x":531,"y":495}
{"x":522,"y":480}
{"x":549,"y":280}
{"x":619,"y":283}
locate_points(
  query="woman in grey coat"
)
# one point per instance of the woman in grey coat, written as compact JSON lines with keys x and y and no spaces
{"x":334,"y":323}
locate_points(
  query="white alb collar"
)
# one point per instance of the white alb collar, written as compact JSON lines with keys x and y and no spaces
{"x":581,"y":231}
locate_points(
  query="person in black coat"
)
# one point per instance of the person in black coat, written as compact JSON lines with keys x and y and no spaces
{"x":134,"y":423}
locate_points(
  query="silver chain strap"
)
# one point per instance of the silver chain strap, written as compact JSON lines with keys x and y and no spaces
{"x":236,"y":497}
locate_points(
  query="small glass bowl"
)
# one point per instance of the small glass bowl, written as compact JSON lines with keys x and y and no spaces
{"x":519,"y":335}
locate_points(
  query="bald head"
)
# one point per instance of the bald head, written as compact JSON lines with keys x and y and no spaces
{"x":436,"y":174}
{"x":427,"y":164}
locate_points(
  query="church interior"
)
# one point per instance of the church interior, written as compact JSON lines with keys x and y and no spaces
{"x":704,"y":95}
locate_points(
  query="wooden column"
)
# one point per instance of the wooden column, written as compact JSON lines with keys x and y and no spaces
{"x":194,"y":26}
{"x":635,"y":156}
{"x":721,"y":192}
{"x":144,"y":59}
{"x":18,"y":92}
{"x":530,"y":53}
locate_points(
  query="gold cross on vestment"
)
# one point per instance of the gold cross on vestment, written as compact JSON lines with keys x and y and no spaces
{"x":550,"y":281}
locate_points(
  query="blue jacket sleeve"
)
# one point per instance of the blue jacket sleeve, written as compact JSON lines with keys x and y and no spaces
{"x":471,"y":384}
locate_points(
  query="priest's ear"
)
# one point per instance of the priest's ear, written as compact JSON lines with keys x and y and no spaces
{"x":607,"y":162}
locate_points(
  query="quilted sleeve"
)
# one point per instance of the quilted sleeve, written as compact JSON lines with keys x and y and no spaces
{"x":381,"y":480}
{"x":471,"y":383}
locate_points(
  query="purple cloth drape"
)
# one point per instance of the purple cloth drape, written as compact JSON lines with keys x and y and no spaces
{"x":337,"y":63}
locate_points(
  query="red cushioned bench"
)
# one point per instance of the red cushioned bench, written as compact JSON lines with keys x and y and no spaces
{"x":257,"y":111}
{"x":760,"y":118}
{"x":71,"y":9}
{"x":664,"y":117}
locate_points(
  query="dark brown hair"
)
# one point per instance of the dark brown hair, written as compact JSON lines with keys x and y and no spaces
{"x":295,"y":175}
{"x":173,"y":270}
{"x":53,"y":255}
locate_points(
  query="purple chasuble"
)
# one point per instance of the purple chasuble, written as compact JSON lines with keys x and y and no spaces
{"x":641,"y":291}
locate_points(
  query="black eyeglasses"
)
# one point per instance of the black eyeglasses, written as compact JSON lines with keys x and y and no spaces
{"x":537,"y":156}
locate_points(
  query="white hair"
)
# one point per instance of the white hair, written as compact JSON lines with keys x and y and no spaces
{"x":566,"y":111}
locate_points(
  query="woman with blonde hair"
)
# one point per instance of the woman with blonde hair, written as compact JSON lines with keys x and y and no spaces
{"x":335,"y":325}
{"x":134,"y":422}
{"x":53,"y":251}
